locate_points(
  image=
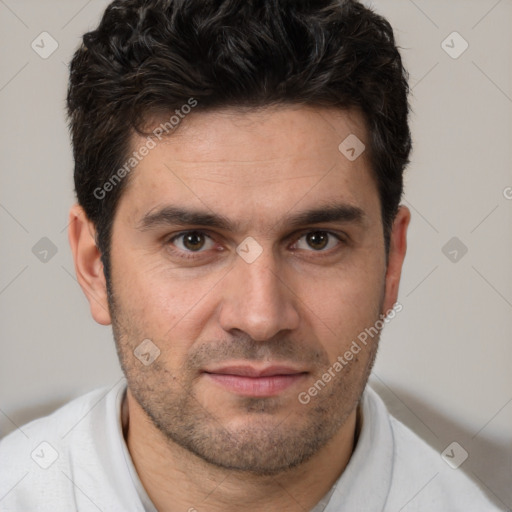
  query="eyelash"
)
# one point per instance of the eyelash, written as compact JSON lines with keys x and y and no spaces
{"x":190,"y":255}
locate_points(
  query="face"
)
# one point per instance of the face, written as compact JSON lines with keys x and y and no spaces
{"x":250,"y":252}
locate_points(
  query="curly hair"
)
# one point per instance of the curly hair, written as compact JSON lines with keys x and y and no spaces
{"x":152,"y":56}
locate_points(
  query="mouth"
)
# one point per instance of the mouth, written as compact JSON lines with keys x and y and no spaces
{"x":247,"y":380}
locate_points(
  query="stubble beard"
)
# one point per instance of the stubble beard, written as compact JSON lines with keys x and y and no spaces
{"x":260,"y":444}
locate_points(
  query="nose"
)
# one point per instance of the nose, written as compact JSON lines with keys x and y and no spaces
{"x":258,"y":300}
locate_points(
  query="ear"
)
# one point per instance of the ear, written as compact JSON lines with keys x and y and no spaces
{"x":88,"y":265}
{"x":397,"y":250}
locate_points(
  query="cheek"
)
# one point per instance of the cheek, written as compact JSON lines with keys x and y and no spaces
{"x":342,"y":306}
{"x":158,"y":303}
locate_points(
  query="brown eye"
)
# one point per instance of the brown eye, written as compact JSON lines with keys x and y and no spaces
{"x":317,"y":241}
{"x":192,"y":241}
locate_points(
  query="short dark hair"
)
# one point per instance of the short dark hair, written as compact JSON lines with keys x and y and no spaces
{"x":153,"y":56}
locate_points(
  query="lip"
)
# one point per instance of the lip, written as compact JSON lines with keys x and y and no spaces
{"x":255,"y":381}
{"x":253,"y":371}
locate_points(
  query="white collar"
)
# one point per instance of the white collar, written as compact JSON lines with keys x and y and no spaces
{"x":363,"y":485}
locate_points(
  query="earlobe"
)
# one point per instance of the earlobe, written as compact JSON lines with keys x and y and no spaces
{"x":397,"y":251}
{"x":88,"y":265}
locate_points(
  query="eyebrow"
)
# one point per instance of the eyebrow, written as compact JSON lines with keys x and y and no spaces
{"x":177,"y":216}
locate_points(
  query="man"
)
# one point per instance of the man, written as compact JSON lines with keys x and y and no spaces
{"x":238,"y":168}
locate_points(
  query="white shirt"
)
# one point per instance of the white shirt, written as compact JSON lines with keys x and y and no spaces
{"x":76,"y":459}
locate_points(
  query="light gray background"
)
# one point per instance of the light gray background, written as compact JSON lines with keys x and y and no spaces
{"x":444,"y":362}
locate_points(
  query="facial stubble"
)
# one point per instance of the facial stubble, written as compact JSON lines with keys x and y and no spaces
{"x":272,"y":435}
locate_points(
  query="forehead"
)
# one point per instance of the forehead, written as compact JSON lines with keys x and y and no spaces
{"x":240,"y":163}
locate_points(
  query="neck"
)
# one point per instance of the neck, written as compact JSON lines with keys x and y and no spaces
{"x":177,"y":480}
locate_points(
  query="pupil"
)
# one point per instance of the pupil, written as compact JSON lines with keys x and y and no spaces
{"x":317,"y":240}
{"x":193,"y":241}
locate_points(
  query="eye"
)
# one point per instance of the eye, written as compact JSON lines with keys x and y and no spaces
{"x":319,"y":241}
{"x":192,"y":241}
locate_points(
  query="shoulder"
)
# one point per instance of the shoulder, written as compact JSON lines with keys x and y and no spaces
{"x":56,"y":424}
{"x":37,"y":460}
{"x":423,"y":480}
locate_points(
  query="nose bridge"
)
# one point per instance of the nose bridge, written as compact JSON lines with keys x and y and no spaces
{"x":262,"y":278}
{"x":257,"y":301}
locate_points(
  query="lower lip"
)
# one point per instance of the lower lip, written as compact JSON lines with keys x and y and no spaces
{"x":256,"y":386}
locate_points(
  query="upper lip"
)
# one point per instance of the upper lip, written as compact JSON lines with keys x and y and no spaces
{"x":252,"y":371}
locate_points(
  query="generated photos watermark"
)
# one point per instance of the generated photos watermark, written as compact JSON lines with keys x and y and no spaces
{"x":151,"y":143}
{"x":357,"y":345}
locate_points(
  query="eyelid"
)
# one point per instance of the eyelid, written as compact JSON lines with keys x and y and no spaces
{"x":295,"y":237}
{"x":329,"y":231}
{"x":172,"y":238}
{"x":341,"y":238}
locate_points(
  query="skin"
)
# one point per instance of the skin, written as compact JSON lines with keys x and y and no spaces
{"x":195,"y":444}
